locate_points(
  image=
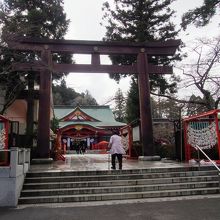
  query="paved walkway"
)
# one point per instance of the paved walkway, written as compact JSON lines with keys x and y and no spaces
{"x":190,"y":209}
{"x":101,"y":162}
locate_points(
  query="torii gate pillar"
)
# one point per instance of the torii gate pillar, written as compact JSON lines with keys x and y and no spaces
{"x":43,"y":137}
{"x":145,"y":105}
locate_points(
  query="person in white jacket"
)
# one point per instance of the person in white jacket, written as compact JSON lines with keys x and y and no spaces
{"x":116,"y":149}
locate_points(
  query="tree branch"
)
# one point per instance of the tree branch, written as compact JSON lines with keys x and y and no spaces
{"x":179,"y":100}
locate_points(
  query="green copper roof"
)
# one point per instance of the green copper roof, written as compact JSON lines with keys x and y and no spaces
{"x":103,"y":114}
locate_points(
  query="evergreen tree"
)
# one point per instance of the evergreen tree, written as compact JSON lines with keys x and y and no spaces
{"x":84,"y":99}
{"x":165,"y":108}
{"x":35,"y":18}
{"x":119,"y":110}
{"x":201,"y":16}
{"x":140,"y":21}
{"x":132,"y":103}
{"x":30,"y":18}
{"x":62,"y":95}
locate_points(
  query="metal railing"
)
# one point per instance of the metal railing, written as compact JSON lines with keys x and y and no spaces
{"x":210,"y":160}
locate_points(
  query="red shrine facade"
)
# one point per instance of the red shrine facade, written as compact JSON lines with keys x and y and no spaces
{"x":87,"y":126}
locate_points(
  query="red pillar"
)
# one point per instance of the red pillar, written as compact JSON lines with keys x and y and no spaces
{"x":43,"y":142}
{"x":145,"y":105}
{"x":217,"y":134}
{"x":186,"y":144}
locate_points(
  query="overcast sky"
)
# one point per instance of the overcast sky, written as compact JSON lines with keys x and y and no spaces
{"x":85,"y":17}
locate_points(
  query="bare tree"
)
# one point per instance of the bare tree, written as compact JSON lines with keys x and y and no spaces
{"x":203,"y":72}
{"x":201,"y":76}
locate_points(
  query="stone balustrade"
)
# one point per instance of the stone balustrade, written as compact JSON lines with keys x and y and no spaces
{"x":12,"y":176}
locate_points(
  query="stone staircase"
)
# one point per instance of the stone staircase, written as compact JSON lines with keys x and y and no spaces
{"x":84,"y":186}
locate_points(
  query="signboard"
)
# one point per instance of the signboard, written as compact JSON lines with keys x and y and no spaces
{"x":136,"y":133}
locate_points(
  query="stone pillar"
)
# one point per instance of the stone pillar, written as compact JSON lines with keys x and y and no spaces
{"x":13,"y":161}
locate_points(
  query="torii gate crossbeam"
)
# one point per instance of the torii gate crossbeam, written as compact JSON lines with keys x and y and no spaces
{"x":96,"y":48}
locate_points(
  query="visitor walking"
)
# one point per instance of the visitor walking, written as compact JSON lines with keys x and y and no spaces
{"x":116,"y":149}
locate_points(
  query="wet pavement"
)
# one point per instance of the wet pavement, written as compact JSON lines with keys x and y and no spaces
{"x":203,"y":207}
{"x":79,"y":162}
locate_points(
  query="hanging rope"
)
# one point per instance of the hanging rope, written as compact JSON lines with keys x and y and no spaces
{"x":2,"y":138}
{"x":125,"y":141}
{"x":202,"y":135}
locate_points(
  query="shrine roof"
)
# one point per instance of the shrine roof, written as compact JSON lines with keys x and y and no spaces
{"x":98,"y":125}
{"x":102,"y":116}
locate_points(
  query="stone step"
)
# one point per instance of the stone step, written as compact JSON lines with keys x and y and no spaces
{"x":62,"y":185}
{"x":107,"y":172}
{"x":80,"y":186}
{"x":117,"y":189}
{"x":117,"y":196}
{"x":120,"y":176}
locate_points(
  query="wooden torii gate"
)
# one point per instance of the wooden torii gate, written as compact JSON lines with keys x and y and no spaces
{"x":95,"y":48}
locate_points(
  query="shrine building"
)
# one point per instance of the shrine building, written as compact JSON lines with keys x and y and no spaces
{"x":87,"y":125}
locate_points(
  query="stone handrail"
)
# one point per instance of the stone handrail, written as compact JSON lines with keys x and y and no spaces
{"x":12,"y":175}
{"x":18,"y":156}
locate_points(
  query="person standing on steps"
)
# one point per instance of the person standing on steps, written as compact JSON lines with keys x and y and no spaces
{"x":116,"y":149}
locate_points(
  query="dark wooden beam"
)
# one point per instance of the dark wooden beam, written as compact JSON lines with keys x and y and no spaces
{"x":43,"y":41}
{"x":111,"y":50}
{"x":26,"y":67}
{"x":95,"y":59}
{"x":90,"y":68}
{"x":87,"y":47}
